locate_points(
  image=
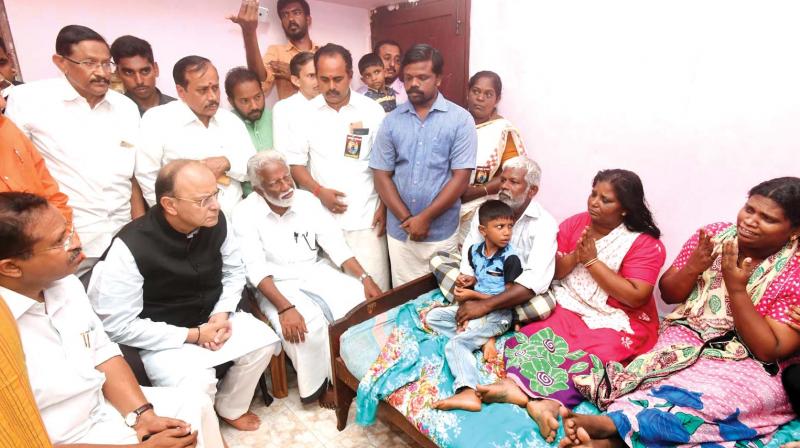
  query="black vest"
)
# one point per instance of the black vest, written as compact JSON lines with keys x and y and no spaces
{"x":182,"y":274}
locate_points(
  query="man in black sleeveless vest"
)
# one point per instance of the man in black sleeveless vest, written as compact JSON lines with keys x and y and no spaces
{"x":170,"y":284}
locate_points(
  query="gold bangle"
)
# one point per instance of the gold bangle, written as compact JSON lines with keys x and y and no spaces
{"x":590,"y":262}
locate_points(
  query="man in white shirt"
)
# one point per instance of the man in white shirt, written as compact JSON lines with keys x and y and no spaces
{"x":82,"y":385}
{"x":534,"y":239}
{"x":170,"y":285}
{"x":329,"y":156}
{"x":195,"y":128}
{"x":281,"y":229}
{"x":88,"y":136}
{"x":390,"y":53}
{"x":289,"y":110}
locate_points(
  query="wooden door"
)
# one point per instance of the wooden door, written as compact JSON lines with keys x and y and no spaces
{"x":444,"y":24}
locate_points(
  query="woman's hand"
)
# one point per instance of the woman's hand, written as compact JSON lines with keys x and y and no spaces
{"x":585,"y":249}
{"x":703,"y":255}
{"x":794,"y":314}
{"x":735,"y":277}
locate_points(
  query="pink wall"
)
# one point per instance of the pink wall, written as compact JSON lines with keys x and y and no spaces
{"x":175,"y":28}
{"x":701,"y":99}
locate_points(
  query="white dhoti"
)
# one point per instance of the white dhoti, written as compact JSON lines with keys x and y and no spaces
{"x":251,"y":346}
{"x":193,"y":408}
{"x":321,"y":296}
{"x":372,"y":254}
{"x":411,"y":259}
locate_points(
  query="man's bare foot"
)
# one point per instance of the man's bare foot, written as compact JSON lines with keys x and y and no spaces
{"x":466,"y":399}
{"x":490,"y":351}
{"x":503,"y":391}
{"x":247,"y":422}
{"x":328,"y":398}
{"x":545,"y":414}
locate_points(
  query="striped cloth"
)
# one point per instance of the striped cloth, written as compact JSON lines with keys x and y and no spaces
{"x":20,"y":423}
{"x":445,"y":268}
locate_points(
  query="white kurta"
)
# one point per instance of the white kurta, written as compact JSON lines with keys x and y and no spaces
{"x":319,"y":141}
{"x":117,"y":297}
{"x":172,"y":131}
{"x":64,"y":342}
{"x":285,"y":112}
{"x":286,"y":249}
{"x":534,"y":239}
{"x":90,"y":152}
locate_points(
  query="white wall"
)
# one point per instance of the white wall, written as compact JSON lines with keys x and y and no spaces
{"x":700,"y":98}
{"x":175,"y":28}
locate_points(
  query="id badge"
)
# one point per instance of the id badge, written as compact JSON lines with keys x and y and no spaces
{"x":352,"y":147}
{"x":481,"y":175}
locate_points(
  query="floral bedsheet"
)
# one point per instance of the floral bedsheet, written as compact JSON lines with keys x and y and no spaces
{"x":401,"y":362}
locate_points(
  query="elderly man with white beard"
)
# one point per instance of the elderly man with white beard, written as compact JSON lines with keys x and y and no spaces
{"x":280,"y":229}
{"x":533,"y":237}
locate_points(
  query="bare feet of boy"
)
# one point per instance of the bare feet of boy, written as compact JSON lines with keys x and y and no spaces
{"x":328,"y":398}
{"x":545,"y":414}
{"x":489,"y":351}
{"x":247,"y":422}
{"x":503,"y":391}
{"x":588,"y":430}
{"x":465,"y":399}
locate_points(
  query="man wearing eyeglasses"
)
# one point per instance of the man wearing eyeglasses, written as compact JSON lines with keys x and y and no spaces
{"x":273,"y":68}
{"x":84,"y":390}
{"x":87,"y":134}
{"x":169,"y":286}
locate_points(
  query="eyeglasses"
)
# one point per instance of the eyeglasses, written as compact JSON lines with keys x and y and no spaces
{"x":64,"y":245}
{"x":202,"y":202}
{"x":91,"y":65}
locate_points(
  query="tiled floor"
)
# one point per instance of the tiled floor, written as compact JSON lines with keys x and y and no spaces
{"x":287,"y":423}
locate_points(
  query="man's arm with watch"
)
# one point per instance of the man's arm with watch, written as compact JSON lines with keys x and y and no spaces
{"x":371,"y":289}
{"x":125,"y":394}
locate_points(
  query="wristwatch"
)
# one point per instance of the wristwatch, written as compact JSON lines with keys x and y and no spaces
{"x":133,"y":417}
{"x":363,"y":277}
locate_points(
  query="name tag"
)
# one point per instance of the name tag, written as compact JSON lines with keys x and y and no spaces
{"x":352,"y":147}
{"x":481,"y":175}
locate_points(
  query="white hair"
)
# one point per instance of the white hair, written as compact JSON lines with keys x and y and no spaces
{"x":257,"y":163}
{"x":533,"y":174}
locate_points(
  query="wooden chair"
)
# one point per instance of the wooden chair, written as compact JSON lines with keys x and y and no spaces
{"x":277,"y":366}
{"x":345,"y":384}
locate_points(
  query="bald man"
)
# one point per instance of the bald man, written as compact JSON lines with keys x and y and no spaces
{"x":170,"y":284}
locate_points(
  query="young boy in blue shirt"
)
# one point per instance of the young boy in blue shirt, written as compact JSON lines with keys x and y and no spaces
{"x":372,"y":75}
{"x":496,"y":266}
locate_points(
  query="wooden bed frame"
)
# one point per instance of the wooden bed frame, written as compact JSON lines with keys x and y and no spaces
{"x":345,"y":384}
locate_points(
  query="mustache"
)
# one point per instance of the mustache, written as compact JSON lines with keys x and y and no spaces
{"x":75,"y":254}
{"x":100,"y":79}
{"x":414,"y":90}
{"x":211,"y":104}
{"x":333,"y":92}
{"x":287,"y":194}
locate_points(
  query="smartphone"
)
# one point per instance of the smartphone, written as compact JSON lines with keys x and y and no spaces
{"x":262,"y":14}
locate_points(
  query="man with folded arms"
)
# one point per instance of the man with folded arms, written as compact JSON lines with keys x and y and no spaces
{"x":170,"y":284}
{"x":85,"y":391}
{"x":195,"y":128}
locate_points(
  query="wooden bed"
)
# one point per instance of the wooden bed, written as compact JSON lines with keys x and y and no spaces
{"x":345,"y":384}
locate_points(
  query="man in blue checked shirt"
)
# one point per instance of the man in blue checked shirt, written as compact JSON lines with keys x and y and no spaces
{"x":421,"y":159}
